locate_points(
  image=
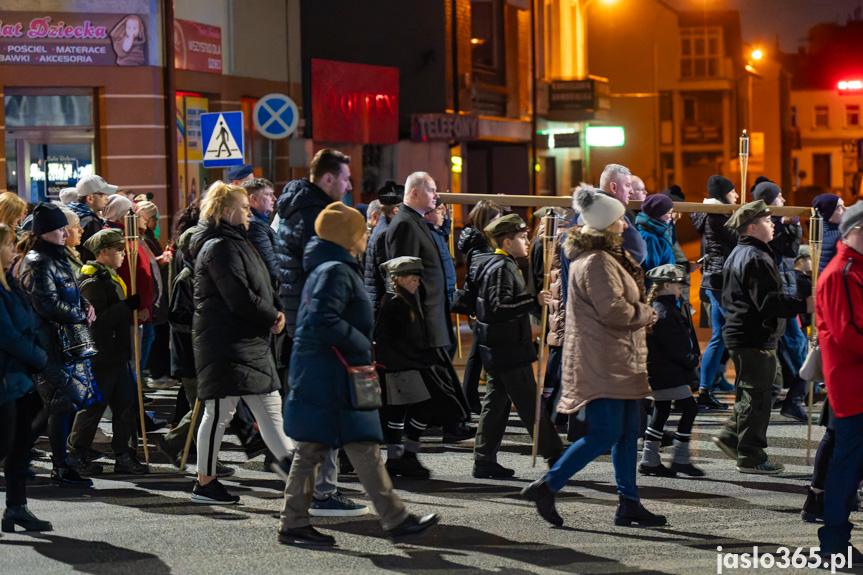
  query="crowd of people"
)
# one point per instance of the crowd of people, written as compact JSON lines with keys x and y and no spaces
{"x":319,"y":333}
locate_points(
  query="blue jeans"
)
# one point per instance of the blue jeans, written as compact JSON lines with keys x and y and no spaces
{"x":846,"y":471}
{"x":611,"y":423}
{"x":716,"y":346}
{"x":793,"y":347}
{"x":147,"y":337}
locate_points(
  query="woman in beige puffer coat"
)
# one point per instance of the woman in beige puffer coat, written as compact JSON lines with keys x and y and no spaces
{"x":604,"y":357}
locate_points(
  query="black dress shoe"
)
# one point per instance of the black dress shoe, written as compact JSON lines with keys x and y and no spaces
{"x":630,"y":511}
{"x":407,"y":466}
{"x":491,"y":470}
{"x":543,"y":496}
{"x":813,"y":508}
{"x":21,"y":516}
{"x":686,"y":469}
{"x":128,"y":464}
{"x":307,"y":535}
{"x":658,"y":470}
{"x":459,"y":432}
{"x":414,"y":525}
{"x":68,"y":477}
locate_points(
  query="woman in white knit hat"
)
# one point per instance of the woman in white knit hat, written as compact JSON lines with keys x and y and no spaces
{"x":604,"y":359}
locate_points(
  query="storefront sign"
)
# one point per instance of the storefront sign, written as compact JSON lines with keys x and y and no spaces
{"x":444,"y":127}
{"x":354,"y":103}
{"x":80,"y":39}
{"x":579,"y":95}
{"x":197,"y":47}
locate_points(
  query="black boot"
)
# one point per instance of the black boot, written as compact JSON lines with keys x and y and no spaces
{"x":543,"y":496}
{"x":630,"y":511}
{"x":407,"y":466}
{"x":21,"y":516}
{"x":813,"y":508}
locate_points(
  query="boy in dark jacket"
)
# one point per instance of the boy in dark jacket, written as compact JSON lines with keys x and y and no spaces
{"x":506,"y":346}
{"x":106,"y":292}
{"x":756,"y":308}
{"x":672,"y":356}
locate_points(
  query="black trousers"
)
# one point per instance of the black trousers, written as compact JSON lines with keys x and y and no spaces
{"x":16,"y":418}
{"x":118,"y":390}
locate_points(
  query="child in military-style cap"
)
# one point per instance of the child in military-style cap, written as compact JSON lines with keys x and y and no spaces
{"x":505,"y":343}
{"x":672,"y":356}
{"x":107,"y":293}
{"x":401,"y":349}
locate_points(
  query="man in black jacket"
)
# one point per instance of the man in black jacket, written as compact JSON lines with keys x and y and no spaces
{"x":93,"y":192}
{"x":755,"y":311}
{"x":263,"y":237}
{"x":408,"y":235}
{"x":390,"y":196}
{"x":298,"y":207}
{"x":503,"y":309}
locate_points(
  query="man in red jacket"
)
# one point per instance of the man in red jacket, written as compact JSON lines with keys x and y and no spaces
{"x":839,"y":312}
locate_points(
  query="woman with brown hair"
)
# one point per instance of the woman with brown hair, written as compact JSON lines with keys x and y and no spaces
{"x":12,"y":209}
{"x":471,"y":241}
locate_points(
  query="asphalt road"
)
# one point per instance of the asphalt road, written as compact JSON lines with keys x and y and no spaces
{"x":149,"y":525}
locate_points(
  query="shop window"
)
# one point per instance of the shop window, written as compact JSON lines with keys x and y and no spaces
{"x":700,"y":50}
{"x":822,"y":116}
{"x":49,"y":141}
{"x":852,"y":115}
{"x":31,"y":110}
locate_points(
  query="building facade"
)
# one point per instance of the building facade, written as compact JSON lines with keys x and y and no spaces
{"x":86,"y":90}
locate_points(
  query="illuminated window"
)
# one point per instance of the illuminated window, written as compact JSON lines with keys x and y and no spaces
{"x":822,"y":116}
{"x":700,"y":51}
{"x":852,"y":115}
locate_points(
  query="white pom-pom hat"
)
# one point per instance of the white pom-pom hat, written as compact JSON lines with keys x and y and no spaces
{"x":597,"y":210}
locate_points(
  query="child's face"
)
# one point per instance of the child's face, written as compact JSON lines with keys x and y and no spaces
{"x":7,"y":252}
{"x":518,"y":246}
{"x":675,"y":289}
{"x":409,"y":283}
{"x":805,"y":265}
{"x":111,"y":257}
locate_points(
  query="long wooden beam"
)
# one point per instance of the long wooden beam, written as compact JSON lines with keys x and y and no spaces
{"x":566,"y":201}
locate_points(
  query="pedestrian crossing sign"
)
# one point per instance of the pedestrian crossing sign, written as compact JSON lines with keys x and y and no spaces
{"x":223,"y":132}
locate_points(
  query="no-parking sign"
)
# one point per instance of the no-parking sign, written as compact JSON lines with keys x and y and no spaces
{"x":276,"y":116}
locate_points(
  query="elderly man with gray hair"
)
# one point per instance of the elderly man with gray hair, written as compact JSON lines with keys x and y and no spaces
{"x":616,"y":182}
{"x":408,"y":235}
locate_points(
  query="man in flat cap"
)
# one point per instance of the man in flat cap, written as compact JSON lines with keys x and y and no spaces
{"x":238,"y":175}
{"x":503,"y":309}
{"x":756,"y":308}
{"x":390,"y":196}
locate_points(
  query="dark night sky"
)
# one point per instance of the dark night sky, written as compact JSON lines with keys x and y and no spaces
{"x":763,"y":20}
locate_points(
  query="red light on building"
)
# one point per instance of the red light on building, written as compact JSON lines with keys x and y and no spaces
{"x":850,"y":86}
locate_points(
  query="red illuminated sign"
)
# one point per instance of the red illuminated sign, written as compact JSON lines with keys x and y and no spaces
{"x":850,"y":86}
{"x":354,"y":103}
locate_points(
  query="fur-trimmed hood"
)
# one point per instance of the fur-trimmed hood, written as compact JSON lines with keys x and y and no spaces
{"x":580,"y":239}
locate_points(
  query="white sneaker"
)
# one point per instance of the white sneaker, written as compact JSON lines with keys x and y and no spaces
{"x":101,"y":437}
{"x":164,"y":382}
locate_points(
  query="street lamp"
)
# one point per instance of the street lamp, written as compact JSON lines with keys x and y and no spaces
{"x":757,"y":54}
{"x":581,"y":34}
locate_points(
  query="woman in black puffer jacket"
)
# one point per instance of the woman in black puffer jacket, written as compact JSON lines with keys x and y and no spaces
{"x":47,"y":278}
{"x":236,"y":311}
{"x":717,"y":243}
{"x":472,"y":241}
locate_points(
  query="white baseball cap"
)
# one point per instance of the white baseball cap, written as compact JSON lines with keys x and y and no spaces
{"x":94,"y":185}
{"x":68,"y":195}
